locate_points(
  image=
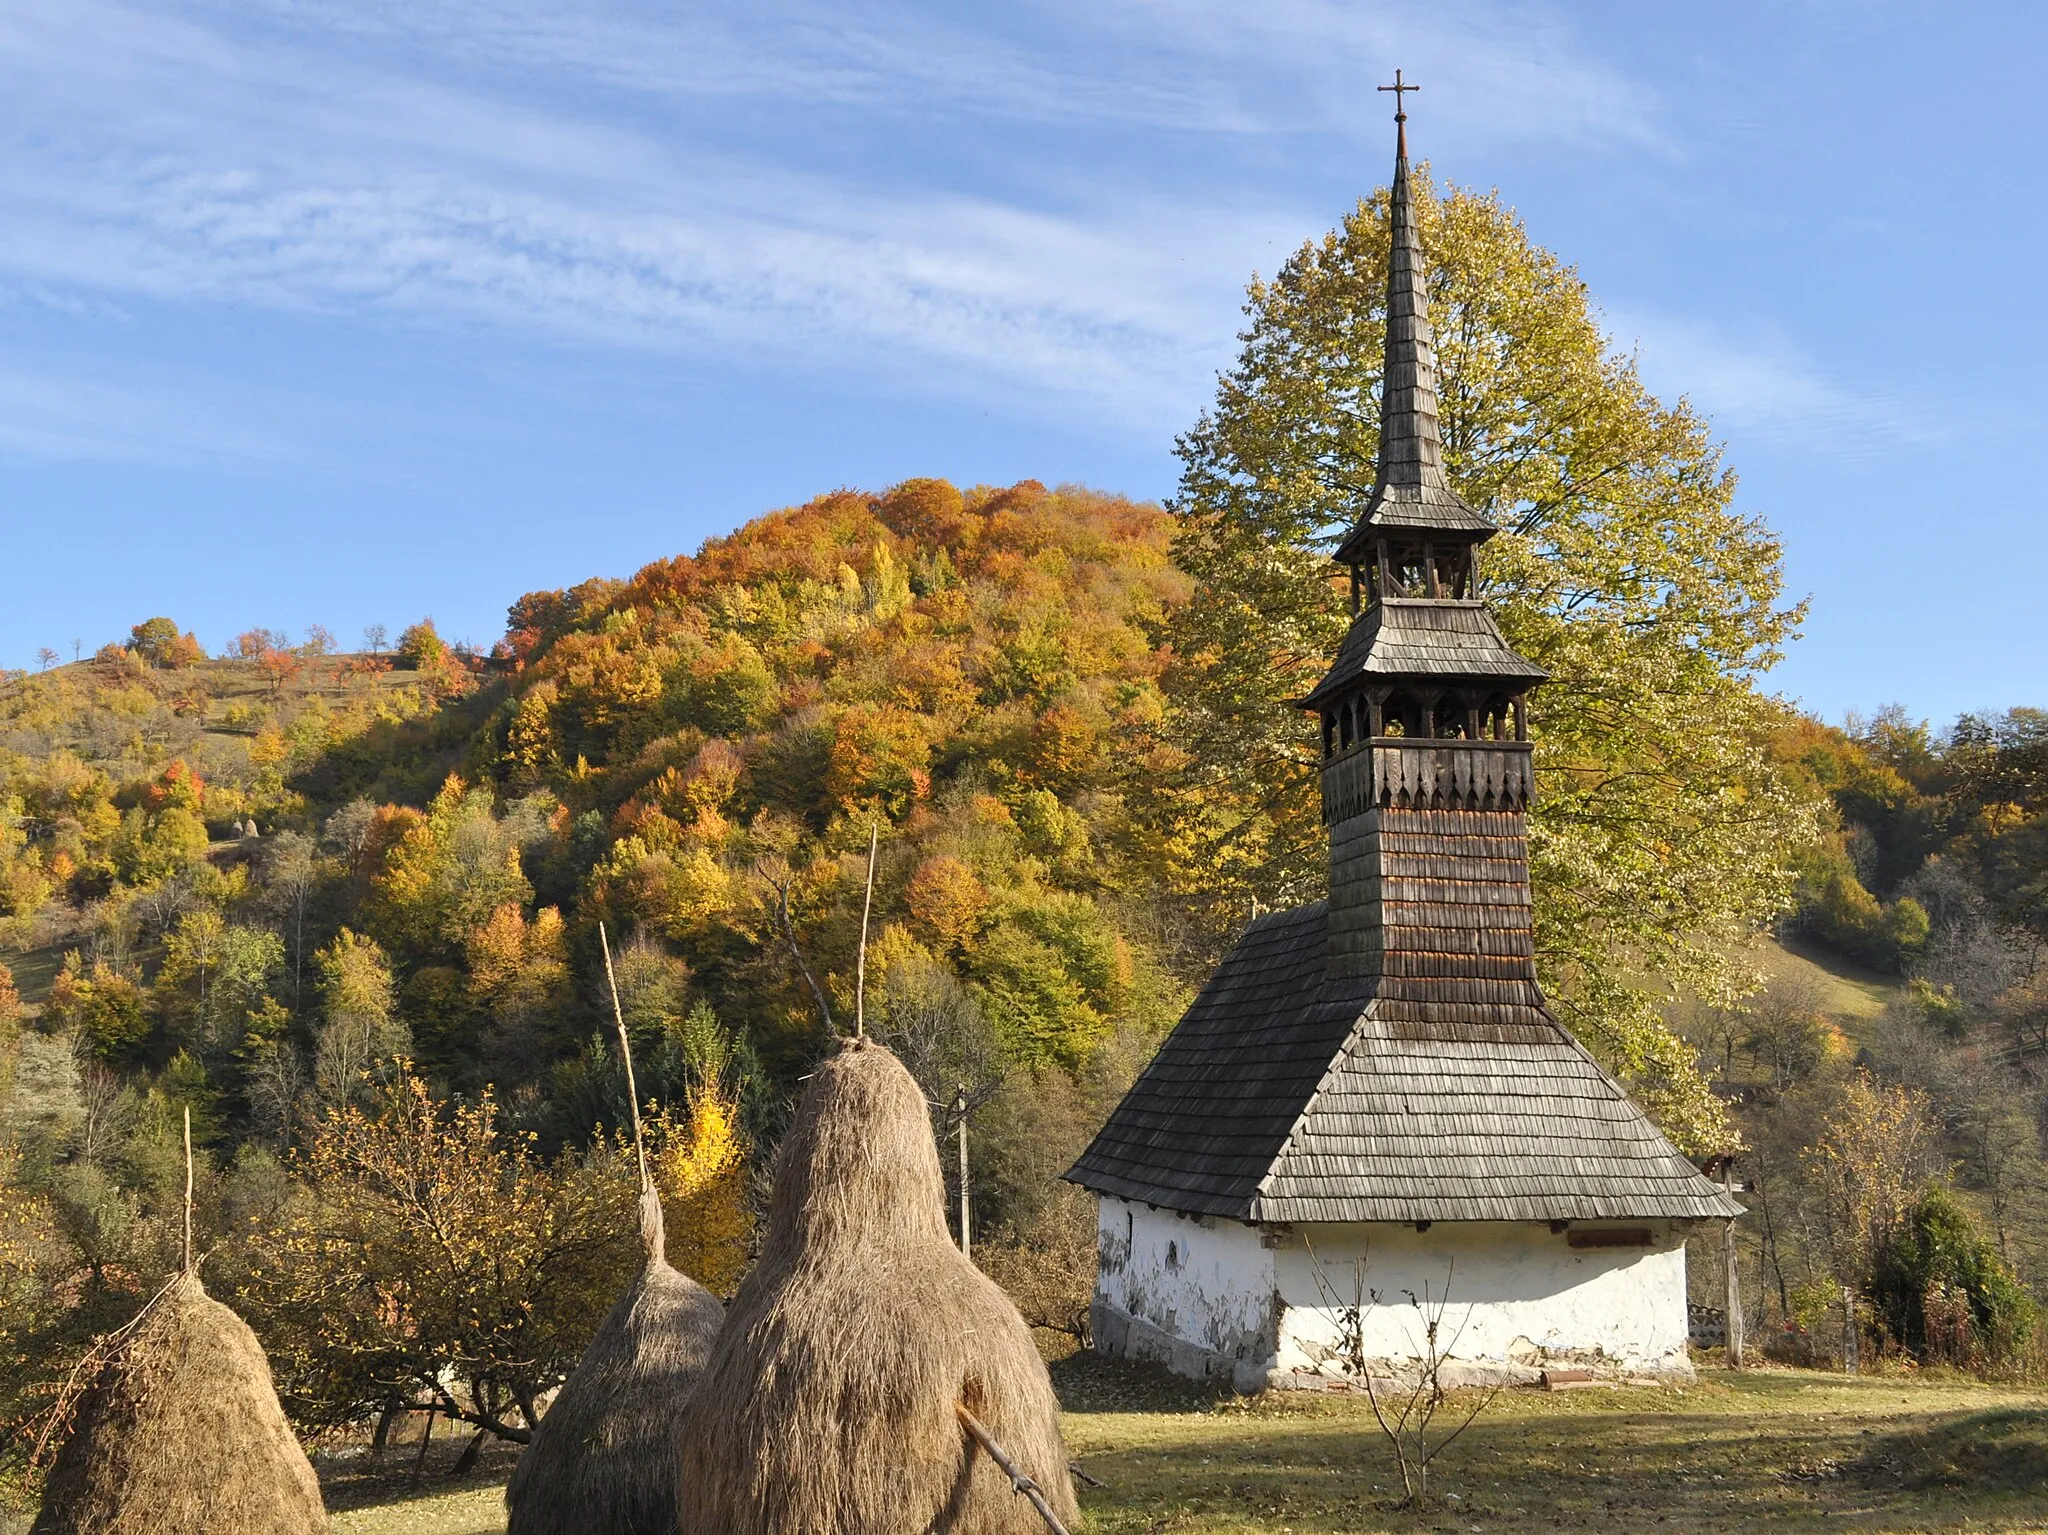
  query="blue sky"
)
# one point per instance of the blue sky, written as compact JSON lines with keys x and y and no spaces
{"x":345,"y":311}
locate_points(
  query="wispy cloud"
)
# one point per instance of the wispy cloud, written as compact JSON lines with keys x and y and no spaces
{"x":572,"y":170}
{"x":249,"y":175}
{"x":1051,"y":302}
{"x":64,"y":412}
{"x":1760,"y":384}
{"x":1214,"y":67}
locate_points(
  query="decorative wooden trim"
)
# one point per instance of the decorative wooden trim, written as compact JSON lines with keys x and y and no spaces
{"x":1624,"y":1236}
{"x":1396,"y":773}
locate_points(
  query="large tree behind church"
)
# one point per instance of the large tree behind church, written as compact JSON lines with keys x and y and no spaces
{"x":1661,"y":828}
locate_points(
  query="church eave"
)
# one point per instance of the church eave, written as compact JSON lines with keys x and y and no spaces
{"x":1414,"y":510}
{"x":1439,"y":1210}
{"x":1284,"y":1095}
{"x":1442,"y":640}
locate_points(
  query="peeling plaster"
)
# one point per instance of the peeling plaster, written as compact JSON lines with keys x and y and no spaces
{"x":1212,"y":1298}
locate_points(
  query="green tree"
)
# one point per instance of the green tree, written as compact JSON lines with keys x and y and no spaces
{"x":154,"y":845}
{"x":434,"y":1248}
{"x":361,"y":1025}
{"x":216,"y":975}
{"x":152,"y":639}
{"x":1938,"y":1249}
{"x":106,"y":1011}
{"x":1662,"y":824}
{"x":448,"y":871}
{"x":420,"y":646}
{"x":291,"y":876}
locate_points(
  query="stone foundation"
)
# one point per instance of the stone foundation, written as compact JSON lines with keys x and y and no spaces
{"x":1119,"y":1335}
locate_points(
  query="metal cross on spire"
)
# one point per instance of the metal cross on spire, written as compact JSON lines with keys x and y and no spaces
{"x":1400,"y":88}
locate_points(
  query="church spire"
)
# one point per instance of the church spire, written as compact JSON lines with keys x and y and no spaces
{"x":1411,"y":452}
{"x":1410,"y":488}
{"x":1423,"y":706}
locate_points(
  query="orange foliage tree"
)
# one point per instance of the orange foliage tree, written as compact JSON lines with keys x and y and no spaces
{"x":433,"y":1246}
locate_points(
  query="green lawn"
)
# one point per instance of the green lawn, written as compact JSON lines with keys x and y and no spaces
{"x":1770,"y":1450}
{"x":1850,"y":994}
{"x":1777,"y":1450}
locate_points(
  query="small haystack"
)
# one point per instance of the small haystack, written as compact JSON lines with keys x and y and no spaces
{"x":830,"y":1404}
{"x":181,"y":1434}
{"x":602,"y":1461}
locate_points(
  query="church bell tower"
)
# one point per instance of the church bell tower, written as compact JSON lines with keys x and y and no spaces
{"x":1425,"y":748}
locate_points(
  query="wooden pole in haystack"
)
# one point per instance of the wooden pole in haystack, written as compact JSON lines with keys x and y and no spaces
{"x":170,"y":1422}
{"x":1018,"y":1480}
{"x":960,"y":1104}
{"x":862,"y":1329}
{"x":860,"y":967}
{"x":188,"y":1189}
{"x":600,"y":1460}
{"x":626,"y":1053}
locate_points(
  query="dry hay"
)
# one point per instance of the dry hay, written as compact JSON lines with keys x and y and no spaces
{"x":602,"y":1461}
{"x":181,"y":1434}
{"x":828,"y":1407}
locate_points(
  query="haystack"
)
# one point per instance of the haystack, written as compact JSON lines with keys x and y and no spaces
{"x":602,"y":1461}
{"x":829,"y":1406}
{"x":181,"y":1434}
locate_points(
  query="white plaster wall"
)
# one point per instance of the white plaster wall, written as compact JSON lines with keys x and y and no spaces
{"x":1518,"y":1294}
{"x":1206,"y":1284}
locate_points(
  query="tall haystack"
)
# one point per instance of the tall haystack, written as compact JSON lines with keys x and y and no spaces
{"x":830,"y":1404}
{"x":181,"y":1434}
{"x":602,"y":1461}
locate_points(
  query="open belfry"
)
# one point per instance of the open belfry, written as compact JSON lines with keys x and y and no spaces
{"x":1376,"y":1078}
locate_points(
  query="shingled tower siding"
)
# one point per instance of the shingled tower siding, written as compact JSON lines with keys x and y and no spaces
{"x":1435,"y":901}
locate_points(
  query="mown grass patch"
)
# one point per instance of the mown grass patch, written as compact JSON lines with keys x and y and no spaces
{"x":1851,"y":994}
{"x":467,"y":1511}
{"x":1769,"y":1449}
{"x":1776,"y":1450}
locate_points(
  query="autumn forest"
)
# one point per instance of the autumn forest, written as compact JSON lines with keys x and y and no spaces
{"x":362,"y":912}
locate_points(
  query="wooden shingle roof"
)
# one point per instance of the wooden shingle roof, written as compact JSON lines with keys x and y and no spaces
{"x":1431,"y":637}
{"x":1287,"y":1095}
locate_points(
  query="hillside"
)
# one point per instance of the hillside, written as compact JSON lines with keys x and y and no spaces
{"x":324,"y":900}
{"x":695,"y":758}
{"x":78,"y":740}
{"x":1851,"y":996}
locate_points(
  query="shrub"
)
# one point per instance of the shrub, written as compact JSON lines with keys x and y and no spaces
{"x":1942,"y":1290}
{"x":421,"y":647}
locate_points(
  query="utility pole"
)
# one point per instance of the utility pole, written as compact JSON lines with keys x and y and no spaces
{"x":1734,"y":1302}
{"x":960,"y":1108}
{"x":1851,"y":1344}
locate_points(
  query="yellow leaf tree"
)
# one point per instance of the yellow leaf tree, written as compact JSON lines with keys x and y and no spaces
{"x":1662,"y":826}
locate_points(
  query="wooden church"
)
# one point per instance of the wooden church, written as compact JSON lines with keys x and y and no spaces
{"x":1375,"y":1078}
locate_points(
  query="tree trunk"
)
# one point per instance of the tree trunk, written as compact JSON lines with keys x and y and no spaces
{"x":419,"y":1465}
{"x":1851,"y":1350}
{"x":394,"y":1408}
{"x":466,"y":1462}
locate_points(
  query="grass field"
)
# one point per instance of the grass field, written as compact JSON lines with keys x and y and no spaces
{"x":1848,"y":993}
{"x":1775,"y":1450}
